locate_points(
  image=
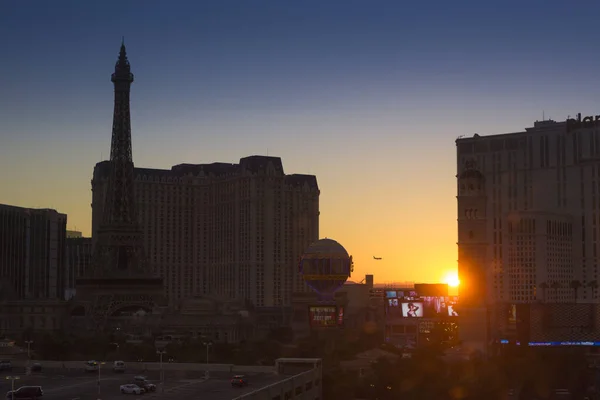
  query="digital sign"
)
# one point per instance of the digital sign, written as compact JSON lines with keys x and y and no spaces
{"x":323,"y":316}
{"x":422,"y":306}
{"x":432,"y":289}
{"x":412,"y":309}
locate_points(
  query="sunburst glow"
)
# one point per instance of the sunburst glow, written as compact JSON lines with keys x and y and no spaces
{"x":452,"y":279}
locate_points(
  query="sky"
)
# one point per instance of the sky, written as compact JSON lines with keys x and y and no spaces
{"x":369,"y":96}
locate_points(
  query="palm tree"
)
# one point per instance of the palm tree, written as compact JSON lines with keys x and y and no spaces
{"x":544,"y":286}
{"x":594,"y":286}
{"x":575,"y":285}
{"x":555,"y":286}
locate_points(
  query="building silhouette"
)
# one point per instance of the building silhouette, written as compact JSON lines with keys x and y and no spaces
{"x":32,"y":253}
{"x":119,"y":277}
{"x":232,"y":230}
{"x":529,"y":219}
{"x":78,"y":262}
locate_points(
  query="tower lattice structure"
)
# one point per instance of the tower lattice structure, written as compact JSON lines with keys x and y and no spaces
{"x":119,"y":275}
{"x":119,"y":250}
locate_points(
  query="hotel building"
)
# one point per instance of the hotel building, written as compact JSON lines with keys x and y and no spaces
{"x":32,"y":253}
{"x":529,"y":214}
{"x":236,"y":231}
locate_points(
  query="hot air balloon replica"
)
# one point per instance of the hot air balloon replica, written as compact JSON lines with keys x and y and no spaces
{"x":325,"y":266}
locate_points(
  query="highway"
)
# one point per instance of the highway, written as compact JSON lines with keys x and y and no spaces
{"x":77,"y":384}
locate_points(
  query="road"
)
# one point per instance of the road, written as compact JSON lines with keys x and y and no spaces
{"x":71,"y":385}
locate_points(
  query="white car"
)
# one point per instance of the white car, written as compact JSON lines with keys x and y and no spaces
{"x":119,"y":366}
{"x":131,"y":389}
{"x":91,"y":366}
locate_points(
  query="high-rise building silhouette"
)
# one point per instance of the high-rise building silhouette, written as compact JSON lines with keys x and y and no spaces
{"x":232,"y":230}
{"x":78,"y":261}
{"x":119,"y":275}
{"x":472,"y":235}
{"x":32,"y":253}
{"x":532,"y":215}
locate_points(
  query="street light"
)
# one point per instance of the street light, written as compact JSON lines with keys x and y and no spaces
{"x":12,"y":385}
{"x":100,"y":364}
{"x":29,"y":343}
{"x":162,"y":371}
{"x":208,"y":346}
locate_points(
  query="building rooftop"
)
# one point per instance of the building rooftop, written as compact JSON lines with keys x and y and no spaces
{"x":248,"y":166}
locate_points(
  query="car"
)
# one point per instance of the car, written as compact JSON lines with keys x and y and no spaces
{"x":36,"y":367}
{"x":119,"y":366}
{"x":146,"y":385}
{"x":26,"y":392}
{"x":91,"y":366}
{"x":239,"y":381}
{"x":131,"y":388}
{"x":5,"y":365}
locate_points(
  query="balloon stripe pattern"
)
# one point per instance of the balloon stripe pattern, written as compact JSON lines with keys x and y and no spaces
{"x":325,"y":266}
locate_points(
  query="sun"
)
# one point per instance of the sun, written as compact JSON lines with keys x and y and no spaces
{"x":452,"y":279}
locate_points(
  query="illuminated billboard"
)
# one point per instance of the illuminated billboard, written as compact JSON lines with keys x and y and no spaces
{"x":323,"y":316}
{"x":412,"y":309}
{"x":432,"y":289}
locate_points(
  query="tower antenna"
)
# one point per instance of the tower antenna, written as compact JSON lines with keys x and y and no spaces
{"x":543,"y":115}
{"x":267,"y":152}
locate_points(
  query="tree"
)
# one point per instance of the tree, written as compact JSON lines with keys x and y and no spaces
{"x":544,"y":286}
{"x":594,"y":286}
{"x":575,"y":285}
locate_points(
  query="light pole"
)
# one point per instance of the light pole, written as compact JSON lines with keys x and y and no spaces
{"x":208,"y":346}
{"x":99,"y":368}
{"x":162,"y":371}
{"x":12,"y":385}
{"x":29,"y":343}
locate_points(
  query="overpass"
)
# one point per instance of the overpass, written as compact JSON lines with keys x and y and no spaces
{"x":304,"y":385}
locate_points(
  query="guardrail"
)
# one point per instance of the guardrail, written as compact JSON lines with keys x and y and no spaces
{"x":305,"y":385}
{"x":153,"y":366}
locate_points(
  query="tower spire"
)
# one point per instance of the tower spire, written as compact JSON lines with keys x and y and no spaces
{"x":120,"y":244}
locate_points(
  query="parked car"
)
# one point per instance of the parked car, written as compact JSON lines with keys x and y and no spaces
{"x":119,"y":366}
{"x":36,"y":367}
{"x":5,"y":365}
{"x":130,"y":388}
{"x":26,"y":392}
{"x":239,"y":381}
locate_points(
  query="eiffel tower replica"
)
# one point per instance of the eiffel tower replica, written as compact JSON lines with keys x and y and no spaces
{"x":119,"y":277}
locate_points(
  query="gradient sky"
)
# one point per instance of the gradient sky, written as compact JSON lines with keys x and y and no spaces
{"x":367,"y":95}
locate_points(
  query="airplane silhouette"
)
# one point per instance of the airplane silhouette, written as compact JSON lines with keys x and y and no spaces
{"x":377,"y":258}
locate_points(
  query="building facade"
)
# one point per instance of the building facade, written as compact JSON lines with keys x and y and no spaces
{"x":530,"y":233}
{"x":78,"y":262}
{"x":32,"y":252}
{"x":236,"y":231}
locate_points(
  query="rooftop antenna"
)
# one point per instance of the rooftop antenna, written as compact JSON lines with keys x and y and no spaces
{"x":543,"y":115}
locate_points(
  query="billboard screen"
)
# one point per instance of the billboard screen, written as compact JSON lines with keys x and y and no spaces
{"x":453,"y":306}
{"x":393,"y":309}
{"x":412,"y":310}
{"x":322,"y":316}
{"x":432,"y":289}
